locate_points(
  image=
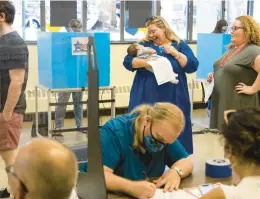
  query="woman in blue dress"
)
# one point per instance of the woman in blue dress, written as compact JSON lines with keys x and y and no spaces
{"x":145,"y":88}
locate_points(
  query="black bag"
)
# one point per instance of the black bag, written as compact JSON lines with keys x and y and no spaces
{"x":42,"y":125}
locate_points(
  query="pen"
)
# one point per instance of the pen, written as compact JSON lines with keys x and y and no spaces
{"x":145,"y":176}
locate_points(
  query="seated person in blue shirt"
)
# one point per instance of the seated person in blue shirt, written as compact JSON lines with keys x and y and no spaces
{"x":137,"y":146}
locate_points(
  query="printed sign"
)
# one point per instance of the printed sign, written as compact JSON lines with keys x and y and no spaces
{"x":79,"y":45}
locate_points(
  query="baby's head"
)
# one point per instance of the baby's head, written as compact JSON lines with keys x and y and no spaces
{"x":133,"y":49}
{"x":242,"y":136}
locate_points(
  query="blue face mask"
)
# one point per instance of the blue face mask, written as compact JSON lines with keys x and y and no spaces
{"x":151,"y":144}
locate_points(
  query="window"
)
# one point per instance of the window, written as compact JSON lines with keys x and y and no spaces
{"x":256,"y":13}
{"x":49,"y":28}
{"x":235,"y":8}
{"x":17,"y":25}
{"x":175,"y":12}
{"x":104,"y":15}
{"x":31,"y":19}
{"x":205,"y":16}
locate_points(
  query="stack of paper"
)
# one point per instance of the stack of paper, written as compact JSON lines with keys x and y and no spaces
{"x":162,"y":69}
{"x":180,"y":194}
{"x":208,"y":90}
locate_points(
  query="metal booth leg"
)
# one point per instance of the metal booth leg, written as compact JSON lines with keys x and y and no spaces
{"x":49,"y":111}
{"x":36,"y":113}
{"x":113,"y":103}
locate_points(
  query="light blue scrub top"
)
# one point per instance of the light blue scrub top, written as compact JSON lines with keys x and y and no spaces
{"x":118,"y":154}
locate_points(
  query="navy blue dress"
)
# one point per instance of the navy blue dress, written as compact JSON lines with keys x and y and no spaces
{"x":146,"y":90}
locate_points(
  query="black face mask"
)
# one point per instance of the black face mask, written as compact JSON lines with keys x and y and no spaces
{"x":151,"y":144}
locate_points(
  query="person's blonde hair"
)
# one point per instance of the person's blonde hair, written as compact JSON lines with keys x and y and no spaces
{"x":251,"y":29}
{"x":162,"y":24}
{"x":159,"y":112}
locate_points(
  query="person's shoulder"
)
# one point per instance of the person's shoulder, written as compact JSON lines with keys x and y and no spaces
{"x":14,"y":37}
{"x":14,"y":41}
{"x":253,"y":47}
{"x":183,"y":43}
{"x":251,"y":50}
{"x":120,"y":124}
{"x":179,"y":44}
{"x":145,"y":43}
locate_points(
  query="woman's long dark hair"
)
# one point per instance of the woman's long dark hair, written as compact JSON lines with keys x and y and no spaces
{"x":219,"y":25}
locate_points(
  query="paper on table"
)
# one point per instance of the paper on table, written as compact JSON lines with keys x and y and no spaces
{"x":180,"y":194}
{"x":208,"y":90}
{"x":162,"y":69}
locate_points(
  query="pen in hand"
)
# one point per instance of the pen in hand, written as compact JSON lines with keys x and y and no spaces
{"x":146,"y":177}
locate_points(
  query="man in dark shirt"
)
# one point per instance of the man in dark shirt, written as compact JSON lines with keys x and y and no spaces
{"x":13,"y":79}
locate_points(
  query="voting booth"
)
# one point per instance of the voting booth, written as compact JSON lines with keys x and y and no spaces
{"x":63,"y":66}
{"x":210,"y":47}
{"x":63,"y":60}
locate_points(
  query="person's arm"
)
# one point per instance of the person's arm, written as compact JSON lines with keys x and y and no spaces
{"x":185,"y":164}
{"x":137,"y":189}
{"x":185,"y":57}
{"x":182,"y":59}
{"x":192,"y":62}
{"x":256,"y":67}
{"x":217,"y":193}
{"x":133,"y":63}
{"x":179,"y":158}
{"x":115,"y":183}
{"x":247,"y":89}
{"x":14,"y":90}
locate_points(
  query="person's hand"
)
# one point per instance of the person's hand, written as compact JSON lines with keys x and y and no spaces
{"x":7,"y":115}
{"x":210,"y":77}
{"x":171,"y":50}
{"x":143,"y":190}
{"x":151,"y":51}
{"x":171,"y":181}
{"x":242,"y":88}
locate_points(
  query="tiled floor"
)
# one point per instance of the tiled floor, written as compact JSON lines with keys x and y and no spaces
{"x":205,"y":145}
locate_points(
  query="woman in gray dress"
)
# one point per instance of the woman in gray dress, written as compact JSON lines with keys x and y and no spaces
{"x":237,"y":73}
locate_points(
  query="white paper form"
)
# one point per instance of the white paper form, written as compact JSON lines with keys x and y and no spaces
{"x":180,"y":194}
{"x":162,"y":70}
{"x":208,"y":90}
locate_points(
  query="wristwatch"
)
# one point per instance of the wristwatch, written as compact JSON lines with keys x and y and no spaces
{"x":179,"y":171}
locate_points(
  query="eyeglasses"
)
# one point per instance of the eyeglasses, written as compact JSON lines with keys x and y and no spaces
{"x":9,"y":170}
{"x":234,"y":28}
{"x":151,"y":18}
{"x":155,"y":142}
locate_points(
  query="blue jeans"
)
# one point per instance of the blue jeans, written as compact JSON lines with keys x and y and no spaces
{"x":60,"y":111}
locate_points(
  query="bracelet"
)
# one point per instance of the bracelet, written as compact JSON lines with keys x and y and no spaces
{"x":178,"y":56}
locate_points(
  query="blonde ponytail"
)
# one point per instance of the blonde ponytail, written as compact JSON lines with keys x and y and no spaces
{"x":142,"y":111}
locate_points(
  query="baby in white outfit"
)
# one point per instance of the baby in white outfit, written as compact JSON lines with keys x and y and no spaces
{"x":137,"y":50}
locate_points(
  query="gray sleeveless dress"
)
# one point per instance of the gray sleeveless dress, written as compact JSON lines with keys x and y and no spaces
{"x":224,"y":96}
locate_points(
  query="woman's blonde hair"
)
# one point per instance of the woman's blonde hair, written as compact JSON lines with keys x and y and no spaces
{"x":162,"y":24}
{"x":251,"y":29}
{"x":158,"y":112}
